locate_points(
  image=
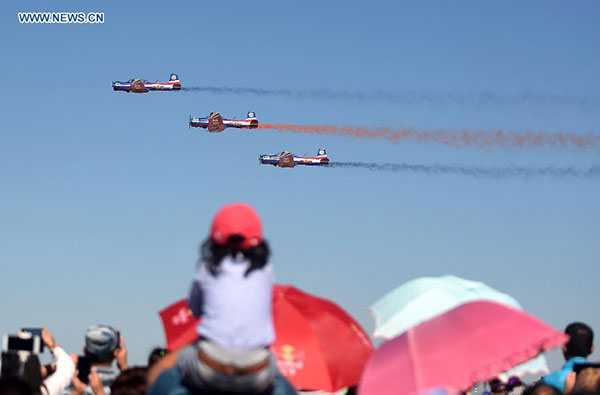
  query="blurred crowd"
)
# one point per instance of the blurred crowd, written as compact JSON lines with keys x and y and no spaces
{"x":232,"y":292}
{"x":93,"y":372}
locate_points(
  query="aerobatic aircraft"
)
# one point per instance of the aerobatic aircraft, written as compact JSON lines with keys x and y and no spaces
{"x":287,"y":159}
{"x":142,"y":86}
{"x":215,"y":122}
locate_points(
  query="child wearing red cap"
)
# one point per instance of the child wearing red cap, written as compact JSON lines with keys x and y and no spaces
{"x":232,"y":292}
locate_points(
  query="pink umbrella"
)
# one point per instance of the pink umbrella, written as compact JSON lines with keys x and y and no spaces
{"x":471,"y":343}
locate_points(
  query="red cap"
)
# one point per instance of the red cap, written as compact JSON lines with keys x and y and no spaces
{"x":237,"y":219}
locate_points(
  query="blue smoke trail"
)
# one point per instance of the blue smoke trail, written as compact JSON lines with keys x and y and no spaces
{"x":475,"y":171}
{"x":475,"y":99}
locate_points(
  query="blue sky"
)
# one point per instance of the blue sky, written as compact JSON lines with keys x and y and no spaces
{"x":106,"y":196}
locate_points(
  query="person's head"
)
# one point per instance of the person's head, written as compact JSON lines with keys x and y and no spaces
{"x":541,"y":389}
{"x":130,"y":382}
{"x":581,"y":341}
{"x":101,"y":341}
{"x":156,"y":354}
{"x":25,"y":367}
{"x":236,"y":231}
{"x":11,"y":364}
{"x":586,"y":381}
{"x":497,"y":386}
{"x":32,"y":371}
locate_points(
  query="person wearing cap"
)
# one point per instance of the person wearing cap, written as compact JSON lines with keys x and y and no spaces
{"x":232,"y":293}
{"x":103,"y":345}
{"x":233,"y":287}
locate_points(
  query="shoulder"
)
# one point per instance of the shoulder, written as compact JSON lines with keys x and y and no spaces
{"x":265,"y":271}
{"x":557,"y":378}
{"x":169,"y":382}
{"x":553,"y":379}
{"x":202,"y":272}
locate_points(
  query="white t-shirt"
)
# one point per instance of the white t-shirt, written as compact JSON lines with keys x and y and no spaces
{"x":65,"y":368}
{"x":235,"y":309}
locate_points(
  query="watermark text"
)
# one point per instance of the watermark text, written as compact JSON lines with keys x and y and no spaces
{"x":61,"y":17}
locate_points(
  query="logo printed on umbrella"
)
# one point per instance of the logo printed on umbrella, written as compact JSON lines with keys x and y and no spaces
{"x":182,"y":316}
{"x":289,"y":360}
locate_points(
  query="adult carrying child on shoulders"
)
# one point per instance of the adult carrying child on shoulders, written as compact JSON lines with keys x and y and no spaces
{"x":232,"y":293}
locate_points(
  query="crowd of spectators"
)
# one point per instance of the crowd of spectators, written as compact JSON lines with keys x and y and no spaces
{"x":232,"y":292}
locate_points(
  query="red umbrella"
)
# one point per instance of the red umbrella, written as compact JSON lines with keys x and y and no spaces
{"x":318,"y":345}
{"x":471,"y":343}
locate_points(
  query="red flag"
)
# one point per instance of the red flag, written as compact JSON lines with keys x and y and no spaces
{"x":179,"y":324}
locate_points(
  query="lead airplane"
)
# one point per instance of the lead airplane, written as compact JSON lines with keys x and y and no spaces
{"x":216,"y":123}
{"x":287,"y":159}
{"x":137,"y":85}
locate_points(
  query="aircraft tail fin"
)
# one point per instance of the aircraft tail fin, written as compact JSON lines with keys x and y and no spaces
{"x":174,"y":78}
{"x":321,"y":152}
{"x":251,"y":115}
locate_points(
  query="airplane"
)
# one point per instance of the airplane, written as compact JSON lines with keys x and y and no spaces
{"x":287,"y":159}
{"x":215,"y":122}
{"x":137,"y":85}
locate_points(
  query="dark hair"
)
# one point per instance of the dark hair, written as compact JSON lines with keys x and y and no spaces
{"x":14,"y":386}
{"x":32,"y":371}
{"x":96,"y":359}
{"x":213,"y":253}
{"x":541,"y":388}
{"x":28,"y":372}
{"x":156,"y":354}
{"x":130,"y":382}
{"x":584,"y":391}
{"x":11,"y":364}
{"x":581,"y":339}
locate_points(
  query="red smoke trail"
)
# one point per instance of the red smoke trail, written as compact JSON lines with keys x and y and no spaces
{"x":452,"y":138}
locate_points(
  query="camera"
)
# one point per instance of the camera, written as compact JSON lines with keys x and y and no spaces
{"x":23,"y":341}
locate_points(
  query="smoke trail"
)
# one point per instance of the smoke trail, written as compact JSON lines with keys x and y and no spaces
{"x":450,"y":138}
{"x":475,"y":171}
{"x":475,"y":99}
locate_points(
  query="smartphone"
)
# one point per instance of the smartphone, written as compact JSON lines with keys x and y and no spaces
{"x":21,"y":343}
{"x":578,"y":367}
{"x":83,"y":365}
{"x":34,"y":332}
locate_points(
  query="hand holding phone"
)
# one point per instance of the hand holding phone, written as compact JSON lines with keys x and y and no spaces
{"x":34,"y":332}
{"x":83,"y":366}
